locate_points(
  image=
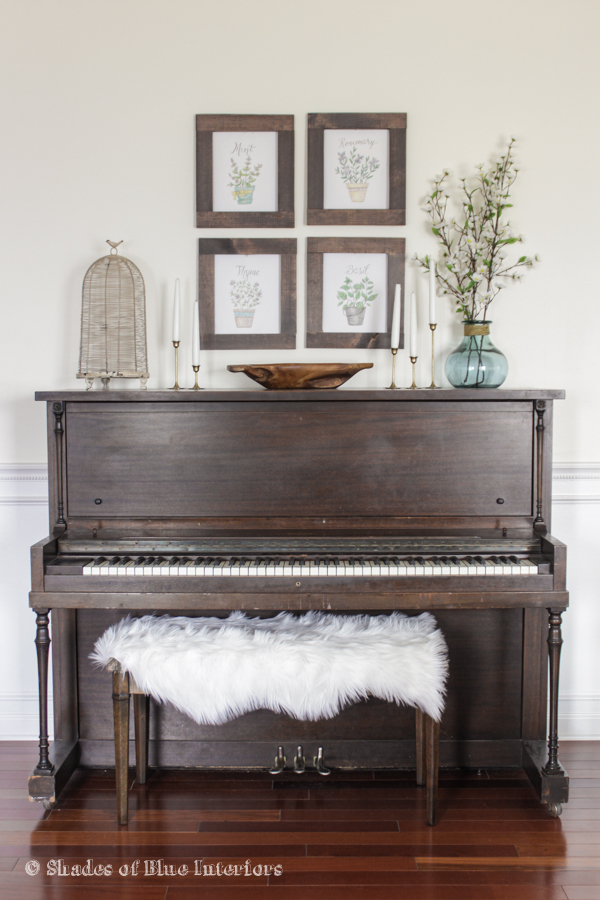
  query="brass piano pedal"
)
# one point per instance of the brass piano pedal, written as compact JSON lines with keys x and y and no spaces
{"x":319,"y":763}
{"x":299,"y":762}
{"x":279,"y":763}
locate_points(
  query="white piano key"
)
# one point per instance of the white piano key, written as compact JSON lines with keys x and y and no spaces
{"x":296,"y":568}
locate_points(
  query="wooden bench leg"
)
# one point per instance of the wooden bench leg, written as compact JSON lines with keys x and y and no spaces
{"x":121,"y":713}
{"x":432,"y":764}
{"x":420,"y":742}
{"x":140,"y":711}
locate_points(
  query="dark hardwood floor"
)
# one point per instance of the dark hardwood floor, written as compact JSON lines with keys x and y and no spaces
{"x":350,"y":837}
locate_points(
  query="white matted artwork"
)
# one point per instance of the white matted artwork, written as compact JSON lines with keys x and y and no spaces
{"x":355,"y":292}
{"x":245,"y":174}
{"x":356,"y":168}
{"x":247,"y":294}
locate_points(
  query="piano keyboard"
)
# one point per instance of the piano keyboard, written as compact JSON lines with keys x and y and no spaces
{"x":294,"y":568}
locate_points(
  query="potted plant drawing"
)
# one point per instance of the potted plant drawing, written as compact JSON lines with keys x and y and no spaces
{"x":243,"y":180}
{"x":356,"y":170}
{"x":475,"y":263}
{"x":245,"y":296}
{"x":355,"y":297}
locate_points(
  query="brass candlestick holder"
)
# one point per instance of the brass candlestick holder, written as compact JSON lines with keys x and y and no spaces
{"x":392,"y":386}
{"x":413,"y":386}
{"x":433,"y":386}
{"x":196,"y":385}
{"x":176,"y":385}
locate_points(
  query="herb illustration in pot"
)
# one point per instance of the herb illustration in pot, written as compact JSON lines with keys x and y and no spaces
{"x":245,"y":297}
{"x":356,"y":170}
{"x":243,"y":180}
{"x":355,"y":297}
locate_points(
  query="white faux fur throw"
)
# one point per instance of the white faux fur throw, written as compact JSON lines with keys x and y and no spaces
{"x":308,"y":666}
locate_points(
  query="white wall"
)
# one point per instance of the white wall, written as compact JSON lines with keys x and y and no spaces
{"x":97,"y":116}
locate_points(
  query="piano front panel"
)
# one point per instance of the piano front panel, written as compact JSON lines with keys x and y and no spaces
{"x":294,"y":459}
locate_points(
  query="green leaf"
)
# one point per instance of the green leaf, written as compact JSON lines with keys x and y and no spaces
{"x":436,"y":231}
{"x":523,"y":259}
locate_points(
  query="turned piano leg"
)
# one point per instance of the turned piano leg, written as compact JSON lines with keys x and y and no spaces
{"x":553,"y":766}
{"x":42,"y":644}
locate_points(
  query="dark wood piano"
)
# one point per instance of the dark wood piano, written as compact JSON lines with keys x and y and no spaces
{"x":349,"y":500}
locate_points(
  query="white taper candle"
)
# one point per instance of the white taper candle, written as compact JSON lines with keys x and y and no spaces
{"x":196,"y":336}
{"x":176,"y":313}
{"x":395,"y":339}
{"x":432,"y":293}
{"x":413,"y":324}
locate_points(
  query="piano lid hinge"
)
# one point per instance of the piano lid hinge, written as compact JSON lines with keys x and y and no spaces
{"x":538,"y":523}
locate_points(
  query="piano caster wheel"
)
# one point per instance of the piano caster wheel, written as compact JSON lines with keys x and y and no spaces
{"x":279,"y":763}
{"x":319,"y":763}
{"x":299,"y":763}
{"x":49,"y":804}
{"x":555,"y":809}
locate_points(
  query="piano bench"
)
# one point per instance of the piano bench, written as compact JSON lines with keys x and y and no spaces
{"x":215,"y":670}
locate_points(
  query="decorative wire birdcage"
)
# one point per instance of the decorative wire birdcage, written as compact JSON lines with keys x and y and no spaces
{"x":113,"y":321}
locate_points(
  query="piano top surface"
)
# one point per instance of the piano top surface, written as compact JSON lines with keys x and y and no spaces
{"x":340,"y":394}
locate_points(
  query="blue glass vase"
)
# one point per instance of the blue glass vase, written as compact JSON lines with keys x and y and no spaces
{"x":476,"y":362}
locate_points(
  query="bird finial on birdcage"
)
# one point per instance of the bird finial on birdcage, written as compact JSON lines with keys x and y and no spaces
{"x":114,"y":245}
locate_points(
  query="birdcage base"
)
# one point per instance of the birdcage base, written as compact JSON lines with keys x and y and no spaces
{"x":106,"y":376}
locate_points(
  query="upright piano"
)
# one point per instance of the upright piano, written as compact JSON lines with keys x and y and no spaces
{"x":203,"y":502}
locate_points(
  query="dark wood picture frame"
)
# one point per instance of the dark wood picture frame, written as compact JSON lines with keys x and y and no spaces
{"x":206,"y":217}
{"x":208,"y":248}
{"x":316,"y":247}
{"x":395,"y":123}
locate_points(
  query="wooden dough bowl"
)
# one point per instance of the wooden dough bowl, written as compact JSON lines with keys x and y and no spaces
{"x":301,"y":376}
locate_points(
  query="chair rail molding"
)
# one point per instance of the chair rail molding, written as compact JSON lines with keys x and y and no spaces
{"x":576,"y":482}
{"x":23,"y":484}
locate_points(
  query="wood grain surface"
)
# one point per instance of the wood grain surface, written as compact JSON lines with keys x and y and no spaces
{"x":355,"y":836}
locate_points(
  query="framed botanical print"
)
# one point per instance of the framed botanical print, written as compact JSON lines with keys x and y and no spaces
{"x":356,"y":169}
{"x":351,"y":283}
{"x":247,"y":293}
{"x":244,"y":171}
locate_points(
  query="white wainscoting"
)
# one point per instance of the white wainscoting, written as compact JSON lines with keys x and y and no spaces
{"x":576,"y":521}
